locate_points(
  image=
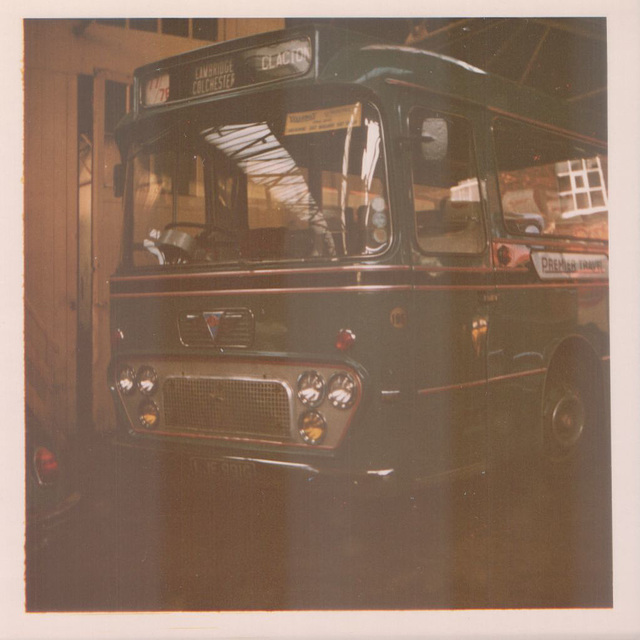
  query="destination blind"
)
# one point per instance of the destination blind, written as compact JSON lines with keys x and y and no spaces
{"x":228,"y":71}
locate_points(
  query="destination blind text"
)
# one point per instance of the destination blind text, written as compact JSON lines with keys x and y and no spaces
{"x":213,"y":76}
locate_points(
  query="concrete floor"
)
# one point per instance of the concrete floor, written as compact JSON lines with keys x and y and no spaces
{"x":502,"y":542}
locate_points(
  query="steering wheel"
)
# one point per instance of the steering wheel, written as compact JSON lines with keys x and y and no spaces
{"x":180,"y":247}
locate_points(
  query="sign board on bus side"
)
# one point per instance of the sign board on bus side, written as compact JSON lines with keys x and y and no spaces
{"x":579,"y":266}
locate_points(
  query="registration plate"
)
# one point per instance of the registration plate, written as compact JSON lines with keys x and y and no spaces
{"x":228,"y":469}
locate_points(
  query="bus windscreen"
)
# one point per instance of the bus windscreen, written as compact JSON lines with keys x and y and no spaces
{"x":304,"y":184}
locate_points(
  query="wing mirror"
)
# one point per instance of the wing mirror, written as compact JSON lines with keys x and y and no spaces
{"x":434,"y":139}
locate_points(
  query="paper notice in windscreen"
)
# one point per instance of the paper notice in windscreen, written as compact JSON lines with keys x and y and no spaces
{"x":323,"y":120}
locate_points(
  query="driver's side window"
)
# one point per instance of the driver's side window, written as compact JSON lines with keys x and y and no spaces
{"x":169,"y":204}
{"x":153,"y":178}
{"x":446,"y":194}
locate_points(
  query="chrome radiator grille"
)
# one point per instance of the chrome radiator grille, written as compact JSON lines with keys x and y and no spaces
{"x":227,"y":407}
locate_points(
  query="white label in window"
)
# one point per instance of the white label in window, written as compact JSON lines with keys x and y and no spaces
{"x":323,"y":120}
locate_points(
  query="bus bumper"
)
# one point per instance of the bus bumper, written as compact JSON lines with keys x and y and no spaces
{"x":171,"y":468}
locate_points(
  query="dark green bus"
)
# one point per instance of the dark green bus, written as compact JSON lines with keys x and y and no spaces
{"x":350,"y":260}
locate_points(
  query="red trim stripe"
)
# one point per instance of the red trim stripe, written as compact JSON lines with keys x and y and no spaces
{"x":451,"y":387}
{"x":559,"y":244}
{"x":477,"y":383}
{"x":453,"y":269}
{"x":347,"y":289}
{"x":259,"y":272}
{"x":453,"y":287}
{"x":365,"y":289}
{"x":537,"y":285}
{"x":557,"y":285}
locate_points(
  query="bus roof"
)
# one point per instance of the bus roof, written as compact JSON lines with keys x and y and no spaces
{"x":324,"y":54}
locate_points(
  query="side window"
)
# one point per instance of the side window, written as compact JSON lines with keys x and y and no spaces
{"x":550,"y":184}
{"x":446,"y":194}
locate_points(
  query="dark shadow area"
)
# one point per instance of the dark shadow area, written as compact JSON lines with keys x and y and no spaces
{"x":513,"y":541}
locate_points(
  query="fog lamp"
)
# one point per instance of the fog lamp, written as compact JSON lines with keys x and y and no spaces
{"x":313,"y":427}
{"x":342,"y":391}
{"x":149,"y":414}
{"x":126,"y":380}
{"x":311,"y":388}
{"x":147,"y":380}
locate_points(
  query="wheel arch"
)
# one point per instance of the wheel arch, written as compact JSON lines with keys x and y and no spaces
{"x":573,"y":346}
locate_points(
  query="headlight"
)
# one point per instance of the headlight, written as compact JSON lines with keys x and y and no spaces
{"x":312,"y":427}
{"x":149,"y":414}
{"x":126,"y":380}
{"x":342,"y":391}
{"x":311,"y":388}
{"x":147,"y":380}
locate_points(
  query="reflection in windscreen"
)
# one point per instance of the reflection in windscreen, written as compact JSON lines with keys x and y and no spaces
{"x":310,"y":185}
{"x":267,"y":164}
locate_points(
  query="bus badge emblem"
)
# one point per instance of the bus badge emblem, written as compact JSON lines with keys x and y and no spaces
{"x":213,"y":318}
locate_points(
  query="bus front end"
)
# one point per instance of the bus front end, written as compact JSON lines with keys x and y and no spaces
{"x":260,"y":308}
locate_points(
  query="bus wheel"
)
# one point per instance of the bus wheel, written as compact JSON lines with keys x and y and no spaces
{"x":571,"y":411}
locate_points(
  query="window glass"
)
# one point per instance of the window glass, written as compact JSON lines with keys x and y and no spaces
{"x":176,"y":26}
{"x":165,"y":183}
{"x":550,"y":184}
{"x":190,"y":188}
{"x":308,"y":183}
{"x":446,"y":194}
{"x":205,"y":28}
{"x":113,"y":22}
{"x":144,"y":24}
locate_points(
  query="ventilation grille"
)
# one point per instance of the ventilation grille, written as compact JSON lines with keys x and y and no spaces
{"x":227,"y":407}
{"x":229,"y":328}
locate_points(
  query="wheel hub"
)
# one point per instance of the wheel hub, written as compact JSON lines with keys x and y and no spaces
{"x":568,"y":420}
